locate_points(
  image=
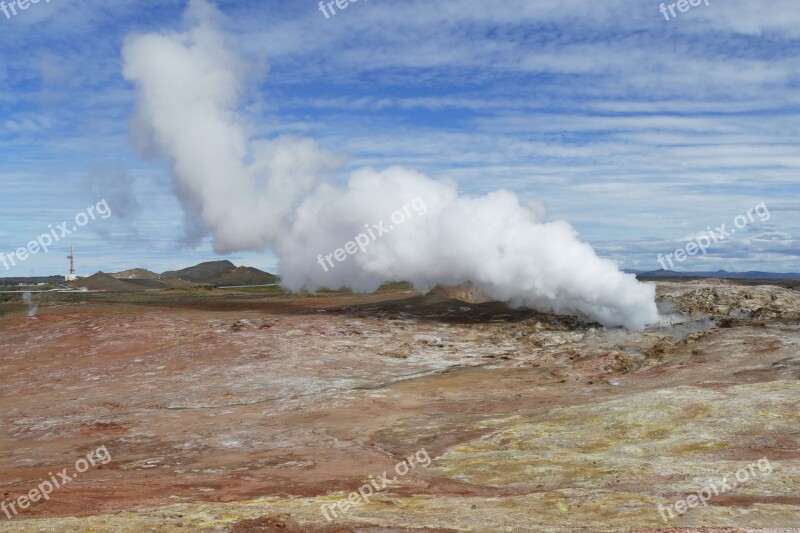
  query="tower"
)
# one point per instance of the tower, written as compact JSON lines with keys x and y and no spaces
{"x":71,"y":276}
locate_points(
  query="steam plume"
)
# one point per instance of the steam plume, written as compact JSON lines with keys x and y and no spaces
{"x":254,"y":193}
{"x":33,"y":307}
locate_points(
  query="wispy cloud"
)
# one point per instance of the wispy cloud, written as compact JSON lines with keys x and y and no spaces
{"x":636,"y":129}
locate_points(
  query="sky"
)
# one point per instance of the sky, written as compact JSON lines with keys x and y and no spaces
{"x":639,"y":131}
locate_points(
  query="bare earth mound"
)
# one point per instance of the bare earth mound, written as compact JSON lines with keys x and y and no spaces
{"x":136,"y":273}
{"x":105,"y":282}
{"x":466,"y":292}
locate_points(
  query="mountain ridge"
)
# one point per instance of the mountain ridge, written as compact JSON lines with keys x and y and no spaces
{"x":721,"y":274}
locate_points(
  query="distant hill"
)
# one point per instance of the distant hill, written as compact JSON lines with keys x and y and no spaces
{"x":721,"y":274}
{"x":105,"y":282}
{"x":222,"y":273}
{"x":13,"y":282}
{"x":202,"y":273}
{"x":217,"y":273}
{"x":136,"y":273}
{"x":161,"y":283}
{"x":245,"y":276}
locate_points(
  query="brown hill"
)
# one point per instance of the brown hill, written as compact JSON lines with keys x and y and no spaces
{"x":202,"y":273}
{"x":104,"y":282}
{"x":222,"y":273}
{"x":136,"y":273}
{"x":246,"y":276}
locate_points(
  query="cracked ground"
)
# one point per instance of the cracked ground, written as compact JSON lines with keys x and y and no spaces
{"x":243,"y":411}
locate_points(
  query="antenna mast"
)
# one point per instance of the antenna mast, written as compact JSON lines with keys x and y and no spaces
{"x":71,"y":276}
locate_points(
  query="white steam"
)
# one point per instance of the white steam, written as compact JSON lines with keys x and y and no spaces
{"x":251,"y":194}
{"x":33,"y":307}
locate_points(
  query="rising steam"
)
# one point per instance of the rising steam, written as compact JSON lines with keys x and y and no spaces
{"x":33,"y":307}
{"x":252,"y":193}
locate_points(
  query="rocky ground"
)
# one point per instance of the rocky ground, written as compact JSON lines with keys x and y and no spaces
{"x":247,"y":412}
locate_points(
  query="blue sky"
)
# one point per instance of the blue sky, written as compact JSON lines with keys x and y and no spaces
{"x":640,"y":132}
